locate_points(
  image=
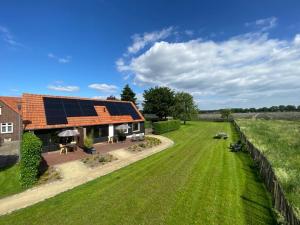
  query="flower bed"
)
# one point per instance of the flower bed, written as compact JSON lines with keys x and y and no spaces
{"x":148,"y":143}
{"x":98,"y":159}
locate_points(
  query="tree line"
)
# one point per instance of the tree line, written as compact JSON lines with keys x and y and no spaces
{"x":163,"y":102}
{"x":279,"y":108}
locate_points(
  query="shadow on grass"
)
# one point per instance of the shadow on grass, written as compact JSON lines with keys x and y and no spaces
{"x":7,"y":161}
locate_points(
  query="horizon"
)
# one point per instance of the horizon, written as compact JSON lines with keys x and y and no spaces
{"x":226,"y":54}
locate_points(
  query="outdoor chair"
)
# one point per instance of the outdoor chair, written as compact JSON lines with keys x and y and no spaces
{"x":110,"y":140}
{"x":63,"y":149}
{"x":134,"y":137}
{"x":238,"y":146}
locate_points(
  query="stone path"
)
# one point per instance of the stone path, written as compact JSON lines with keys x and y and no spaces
{"x":75,"y":173}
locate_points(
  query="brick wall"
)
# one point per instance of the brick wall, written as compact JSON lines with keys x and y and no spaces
{"x":9,"y":116}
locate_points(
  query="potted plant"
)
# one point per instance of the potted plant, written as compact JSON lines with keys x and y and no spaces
{"x":89,"y":144}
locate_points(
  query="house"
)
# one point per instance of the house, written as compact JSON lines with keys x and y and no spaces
{"x":47,"y":115}
{"x":10,"y":119}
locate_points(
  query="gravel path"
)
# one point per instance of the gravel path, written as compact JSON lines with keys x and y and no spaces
{"x":76,"y":173}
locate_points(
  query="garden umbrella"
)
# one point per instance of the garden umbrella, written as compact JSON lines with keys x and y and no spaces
{"x":68,"y":133}
{"x":122,"y":127}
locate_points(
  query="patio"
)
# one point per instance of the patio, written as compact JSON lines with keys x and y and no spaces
{"x":54,"y":158}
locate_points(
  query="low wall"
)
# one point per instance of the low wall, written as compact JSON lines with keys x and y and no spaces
{"x":280,"y":202}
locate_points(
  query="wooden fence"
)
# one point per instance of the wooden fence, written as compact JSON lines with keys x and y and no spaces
{"x":280,"y":202}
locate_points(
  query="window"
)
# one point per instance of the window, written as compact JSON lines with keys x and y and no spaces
{"x":136,"y":127}
{"x":6,"y":128}
{"x":0,"y":110}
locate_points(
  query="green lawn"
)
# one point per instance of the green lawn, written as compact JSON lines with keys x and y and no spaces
{"x":9,"y":181}
{"x":280,"y":142}
{"x":197,"y":181}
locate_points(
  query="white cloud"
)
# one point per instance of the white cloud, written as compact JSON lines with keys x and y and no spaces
{"x":263,"y":24}
{"x":140,"y":41}
{"x":7,"y":37}
{"x":63,"y":88}
{"x":62,"y":60}
{"x":246,"y":70}
{"x":104,"y":87}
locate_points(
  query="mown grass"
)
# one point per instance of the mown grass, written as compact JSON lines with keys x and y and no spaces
{"x":9,"y":181}
{"x":197,"y":181}
{"x":280,"y":143}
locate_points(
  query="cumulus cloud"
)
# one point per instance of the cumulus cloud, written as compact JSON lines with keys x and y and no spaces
{"x":62,"y":60}
{"x":63,"y":88}
{"x":7,"y":37}
{"x":104,"y":87}
{"x":244,"y":70}
{"x":263,"y":24}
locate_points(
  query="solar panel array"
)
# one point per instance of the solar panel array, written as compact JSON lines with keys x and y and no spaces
{"x":58,"y":109}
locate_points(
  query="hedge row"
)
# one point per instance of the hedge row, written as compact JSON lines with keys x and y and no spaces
{"x":31,"y":151}
{"x":166,"y":126}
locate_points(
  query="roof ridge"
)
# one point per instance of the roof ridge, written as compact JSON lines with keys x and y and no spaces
{"x":74,"y":97}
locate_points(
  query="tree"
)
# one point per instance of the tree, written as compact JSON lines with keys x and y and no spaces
{"x":111,"y":97}
{"x":128,"y":94}
{"x":225,"y":113}
{"x":184,"y":107}
{"x":159,"y":101}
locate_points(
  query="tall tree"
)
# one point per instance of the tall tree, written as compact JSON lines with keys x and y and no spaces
{"x":184,"y":107}
{"x":225,"y":113}
{"x":158,"y":101}
{"x":128,"y":94}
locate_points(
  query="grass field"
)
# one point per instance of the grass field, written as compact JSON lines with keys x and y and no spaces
{"x":197,"y":181}
{"x":280,"y":143}
{"x":9,"y":181}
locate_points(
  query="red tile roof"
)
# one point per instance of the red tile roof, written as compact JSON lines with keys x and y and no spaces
{"x":11,"y":102}
{"x":34,"y":114}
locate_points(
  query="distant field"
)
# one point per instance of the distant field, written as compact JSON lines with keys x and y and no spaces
{"x":280,"y":142}
{"x":260,"y":115}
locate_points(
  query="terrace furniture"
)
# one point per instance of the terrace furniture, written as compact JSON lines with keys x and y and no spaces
{"x":134,"y":137}
{"x":63,"y":149}
{"x":238,"y":146}
{"x":221,"y":135}
{"x":110,"y":140}
{"x":141,"y":137}
{"x":71,"y":146}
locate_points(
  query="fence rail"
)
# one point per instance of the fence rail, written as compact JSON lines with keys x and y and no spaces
{"x":280,"y":202}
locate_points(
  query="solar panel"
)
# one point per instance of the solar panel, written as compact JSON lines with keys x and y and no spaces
{"x":57,"y":109}
{"x":54,"y":111}
{"x":72,"y":107}
{"x":87,"y":108}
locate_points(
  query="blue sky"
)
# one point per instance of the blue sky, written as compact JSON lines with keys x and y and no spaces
{"x":225,"y":53}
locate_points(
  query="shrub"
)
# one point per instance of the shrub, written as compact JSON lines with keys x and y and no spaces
{"x":31,"y":157}
{"x":166,"y":126}
{"x":88,"y":142}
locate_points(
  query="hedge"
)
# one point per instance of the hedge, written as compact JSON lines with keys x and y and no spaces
{"x":166,"y":126}
{"x":31,"y":150}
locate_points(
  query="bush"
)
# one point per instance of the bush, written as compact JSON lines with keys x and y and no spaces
{"x":166,"y":126}
{"x":31,"y":157}
{"x":88,"y":142}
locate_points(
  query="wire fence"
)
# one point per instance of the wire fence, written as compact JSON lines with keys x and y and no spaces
{"x":280,"y":202}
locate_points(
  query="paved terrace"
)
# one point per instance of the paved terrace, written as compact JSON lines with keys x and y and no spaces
{"x":55,"y":158}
